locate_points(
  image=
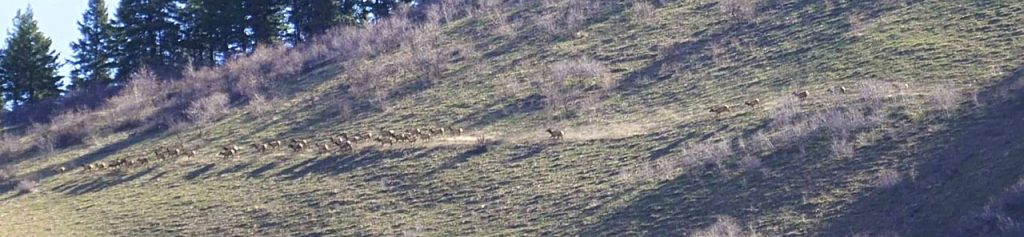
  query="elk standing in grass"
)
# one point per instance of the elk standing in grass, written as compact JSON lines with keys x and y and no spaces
{"x":720,"y":109}
{"x":802,"y":94}
{"x":556,"y":134}
{"x":753,"y":102}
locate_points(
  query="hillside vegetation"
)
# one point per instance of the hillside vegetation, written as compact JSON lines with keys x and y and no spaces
{"x":923,"y":142}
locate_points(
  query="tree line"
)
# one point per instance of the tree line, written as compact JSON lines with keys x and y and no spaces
{"x":164,"y":34}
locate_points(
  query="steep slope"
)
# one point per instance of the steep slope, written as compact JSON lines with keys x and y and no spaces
{"x":644,"y":157}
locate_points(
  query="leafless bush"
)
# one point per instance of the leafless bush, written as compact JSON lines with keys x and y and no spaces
{"x":786,"y":112}
{"x":372,"y":82}
{"x":27,"y":186}
{"x":841,"y":147}
{"x":565,"y":16}
{"x":260,"y":105}
{"x":208,"y":108}
{"x":501,"y":25}
{"x":873,"y":94}
{"x":1000,"y":217}
{"x":888,"y":178}
{"x":644,"y":11}
{"x":739,"y":9}
{"x":568,"y":85}
{"x":423,"y":56}
{"x":944,"y":98}
{"x":725,"y":226}
{"x":839,"y":121}
{"x":750,"y":162}
{"x":6,"y":174}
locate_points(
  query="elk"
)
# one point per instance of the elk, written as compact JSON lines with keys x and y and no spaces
{"x":345,"y":146}
{"x":275,"y":144}
{"x":720,"y":109}
{"x":556,"y":134}
{"x":61,"y":169}
{"x":297,"y":147}
{"x":386,"y":141}
{"x":324,"y":148}
{"x":802,"y":94}
{"x":752,"y":103}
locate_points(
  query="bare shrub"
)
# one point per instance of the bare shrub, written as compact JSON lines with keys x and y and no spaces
{"x":372,"y":82}
{"x":786,"y":112}
{"x":27,"y":186}
{"x":6,"y":174}
{"x":873,"y":94}
{"x":569,"y":85}
{"x":749,"y":163}
{"x":739,"y":9}
{"x":725,"y":226}
{"x":888,"y":178}
{"x":565,"y":16}
{"x":643,"y":11}
{"x":423,"y":56}
{"x":944,"y":98}
{"x":761,"y":143}
{"x":1000,"y":217}
{"x":208,"y":108}
{"x":839,"y":121}
{"x":260,"y":105}
{"x":841,"y":147}
{"x":500,"y":22}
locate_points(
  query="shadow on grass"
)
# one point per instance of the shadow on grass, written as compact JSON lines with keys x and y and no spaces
{"x":960,"y":171}
{"x":101,"y":183}
{"x":957,"y":173}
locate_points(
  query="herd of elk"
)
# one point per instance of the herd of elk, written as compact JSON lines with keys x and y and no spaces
{"x":800,"y":95}
{"x":384,"y":137}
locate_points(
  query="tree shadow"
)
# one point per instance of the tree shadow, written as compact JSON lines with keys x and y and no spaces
{"x":339,"y":163}
{"x":191,"y":175}
{"x":960,"y":171}
{"x":258,"y":172}
{"x":957,"y":173}
{"x":455,"y":161}
{"x":496,"y":111}
{"x":101,"y":183}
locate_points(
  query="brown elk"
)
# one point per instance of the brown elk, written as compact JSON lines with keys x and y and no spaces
{"x":752,"y":103}
{"x":802,"y":94}
{"x":720,"y":109}
{"x":386,"y":141}
{"x":556,"y":134}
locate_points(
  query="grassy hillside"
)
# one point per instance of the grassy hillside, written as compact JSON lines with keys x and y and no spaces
{"x":924,"y":143}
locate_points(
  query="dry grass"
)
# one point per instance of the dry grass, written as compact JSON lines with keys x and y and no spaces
{"x":725,"y":226}
{"x":209,"y":108}
{"x":27,"y":186}
{"x":888,"y":179}
{"x":644,"y":11}
{"x":568,"y":86}
{"x":739,"y":9}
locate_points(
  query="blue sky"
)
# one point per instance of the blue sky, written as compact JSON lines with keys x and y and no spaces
{"x":57,"y":19}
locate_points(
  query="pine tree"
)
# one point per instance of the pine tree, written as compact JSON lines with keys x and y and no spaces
{"x":93,"y":53}
{"x":148,"y":34}
{"x":265,"y":20}
{"x":376,"y":9}
{"x":313,"y":17}
{"x":214,"y":30}
{"x":29,"y":65}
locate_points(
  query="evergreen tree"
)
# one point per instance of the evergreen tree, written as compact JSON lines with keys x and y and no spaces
{"x":214,"y":30}
{"x":29,"y":65}
{"x":148,"y":34}
{"x":313,"y":17}
{"x":376,"y":9}
{"x":264,"y":22}
{"x":93,"y":53}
